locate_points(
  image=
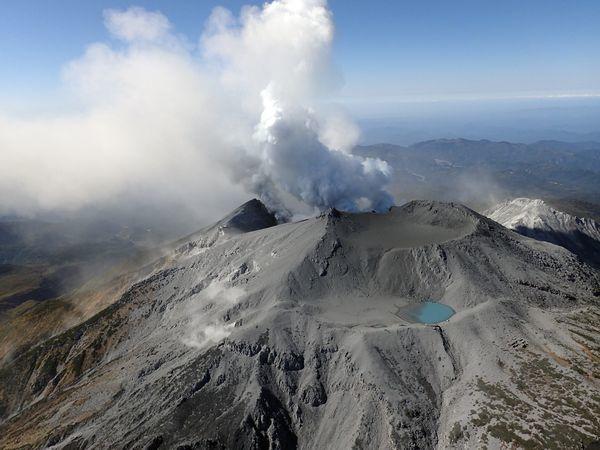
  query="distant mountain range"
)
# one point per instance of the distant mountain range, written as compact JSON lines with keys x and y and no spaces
{"x":481,"y":173}
{"x":518,"y":120}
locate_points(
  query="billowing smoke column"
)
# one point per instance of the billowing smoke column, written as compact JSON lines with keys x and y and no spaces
{"x":159,"y":116}
{"x":294,"y":160}
{"x":281,"y":52}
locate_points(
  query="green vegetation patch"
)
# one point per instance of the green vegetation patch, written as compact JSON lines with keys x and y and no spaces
{"x":542,"y":407}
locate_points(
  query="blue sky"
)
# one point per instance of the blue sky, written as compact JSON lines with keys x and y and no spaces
{"x":398,"y":50}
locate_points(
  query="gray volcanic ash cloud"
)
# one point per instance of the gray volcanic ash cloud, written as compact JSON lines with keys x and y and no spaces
{"x":292,"y":158}
{"x":158,"y":116}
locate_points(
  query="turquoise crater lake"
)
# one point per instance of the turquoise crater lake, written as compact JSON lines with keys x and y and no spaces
{"x":425,"y":312}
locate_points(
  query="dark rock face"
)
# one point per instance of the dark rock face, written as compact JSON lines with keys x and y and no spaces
{"x":314,"y":395}
{"x":251,"y":216}
{"x":267,"y":426}
{"x":155,"y":444}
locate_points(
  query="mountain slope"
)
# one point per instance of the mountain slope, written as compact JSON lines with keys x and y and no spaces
{"x":69,"y":274}
{"x":536,"y":219}
{"x":288,"y":337}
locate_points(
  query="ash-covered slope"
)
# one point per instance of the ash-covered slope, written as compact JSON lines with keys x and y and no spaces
{"x":288,"y":337}
{"x":251,"y":216}
{"x":536,"y":219}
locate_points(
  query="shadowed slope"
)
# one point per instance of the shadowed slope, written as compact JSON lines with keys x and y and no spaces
{"x":536,"y":219}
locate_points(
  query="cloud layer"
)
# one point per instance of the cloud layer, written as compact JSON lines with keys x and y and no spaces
{"x":210,"y":123}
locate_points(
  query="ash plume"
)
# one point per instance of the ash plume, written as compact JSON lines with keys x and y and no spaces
{"x":208,"y":123}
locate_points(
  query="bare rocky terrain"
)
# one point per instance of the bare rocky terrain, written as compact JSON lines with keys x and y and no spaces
{"x":256,"y":335}
{"x":537,"y":219}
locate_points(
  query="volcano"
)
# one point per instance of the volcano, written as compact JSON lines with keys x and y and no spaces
{"x":263,"y":335}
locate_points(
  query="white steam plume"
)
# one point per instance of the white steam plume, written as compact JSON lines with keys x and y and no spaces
{"x":162,"y":118}
{"x":204,"y":315}
{"x":295,"y":160}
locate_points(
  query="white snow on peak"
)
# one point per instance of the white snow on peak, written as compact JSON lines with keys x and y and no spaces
{"x":537,"y":214}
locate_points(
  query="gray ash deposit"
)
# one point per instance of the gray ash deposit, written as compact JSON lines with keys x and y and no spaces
{"x":286,"y":336}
